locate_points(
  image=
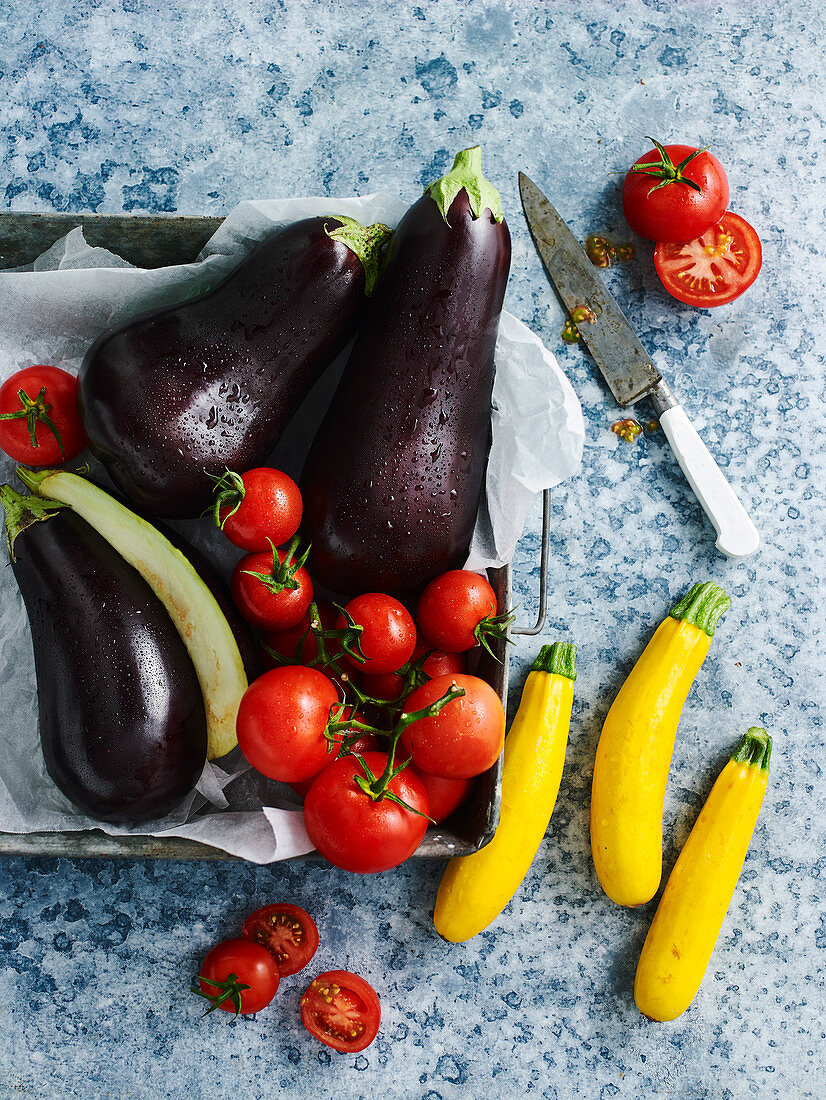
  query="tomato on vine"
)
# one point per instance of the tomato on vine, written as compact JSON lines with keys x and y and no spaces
{"x":458,"y":611}
{"x":465,"y":737}
{"x":282,"y":719}
{"x":674,"y":193}
{"x":272,"y":590}
{"x":40,"y":421}
{"x":388,"y":633}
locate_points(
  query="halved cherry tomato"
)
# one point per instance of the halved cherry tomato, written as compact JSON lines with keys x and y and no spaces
{"x":272,"y":590}
{"x":714,"y":269}
{"x":258,"y":507}
{"x":466,"y":736}
{"x":389,"y":635}
{"x":287,"y":931}
{"x":238,"y":976}
{"x":281,"y":721}
{"x":40,"y":423}
{"x":342,"y":1010}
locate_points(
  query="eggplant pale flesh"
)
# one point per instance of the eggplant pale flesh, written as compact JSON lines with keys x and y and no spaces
{"x":122,"y":720}
{"x":186,"y":391}
{"x":393,"y":480}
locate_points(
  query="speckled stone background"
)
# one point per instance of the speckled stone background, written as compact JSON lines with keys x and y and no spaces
{"x":128,"y":105}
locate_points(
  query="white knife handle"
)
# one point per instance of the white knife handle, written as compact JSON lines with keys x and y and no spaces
{"x":737,"y":537}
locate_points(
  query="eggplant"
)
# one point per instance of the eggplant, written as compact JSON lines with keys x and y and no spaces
{"x":196,"y":613}
{"x":122,"y":720}
{"x":393,"y":480}
{"x":184,"y":392}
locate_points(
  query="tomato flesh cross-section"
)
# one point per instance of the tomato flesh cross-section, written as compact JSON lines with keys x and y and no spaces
{"x":713,"y":269}
{"x":342,"y":1010}
{"x":288,"y":933}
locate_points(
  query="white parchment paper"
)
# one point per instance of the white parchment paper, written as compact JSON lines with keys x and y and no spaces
{"x":51,"y":312}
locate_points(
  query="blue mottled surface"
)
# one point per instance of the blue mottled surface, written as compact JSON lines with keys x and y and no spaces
{"x":143,"y":107}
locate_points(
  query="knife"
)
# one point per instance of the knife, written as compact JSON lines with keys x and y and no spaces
{"x":629,"y":370}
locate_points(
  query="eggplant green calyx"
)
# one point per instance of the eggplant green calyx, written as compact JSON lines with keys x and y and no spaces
{"x":366,"y":241}
{"x":22,"y":511}
{"x":665,"y":170}
{"x":229,"y":492}
{"x":755,"y":748}
{"x":228,"y":990}
{"x":34,"y":410}
{"x":282,"y":574}
{"x":703,"y":606}
{"x":558,"y":659}
{"x":466,"y":174}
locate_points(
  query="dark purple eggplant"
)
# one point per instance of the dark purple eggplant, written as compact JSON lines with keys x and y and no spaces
{"x":394,"y":478}
{"x":122,"y":720}
{"x":186,"y":391}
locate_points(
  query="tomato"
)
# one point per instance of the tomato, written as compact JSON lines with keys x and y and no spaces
{"x":389,"y":635}
{"x":238,"y":976}
{"x":661,"y":205}
{"x":287,"y":932}
{"x":455,"y":609}
{"x":714,"y":269}
{"x":281,"y":722}
{"x":342,"y":1010}
{"x":466,"y":736}
{"x":257,"y":508}
{"x":40,"y":422}
{"x":288,"y":642}
{"x":272,"y":590}
{"x":357,"y":833}
{"x":390,"y":685}
{"x":445,"y":795}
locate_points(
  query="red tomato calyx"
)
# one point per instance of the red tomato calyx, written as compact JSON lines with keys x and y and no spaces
{"x":282,"y":574}
{"x":228,"y":990}
{"x":665,"y":170}
{"x":35,"y":410}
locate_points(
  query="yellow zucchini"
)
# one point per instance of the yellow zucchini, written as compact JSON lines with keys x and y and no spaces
{"x":687,"y":923}
{"x":476,"y":888}
{"x":636,"y":745}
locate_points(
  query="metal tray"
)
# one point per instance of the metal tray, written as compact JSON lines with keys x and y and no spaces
{"x":168,"y":240}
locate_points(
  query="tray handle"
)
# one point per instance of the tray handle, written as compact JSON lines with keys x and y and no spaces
{"x":543,"y":570}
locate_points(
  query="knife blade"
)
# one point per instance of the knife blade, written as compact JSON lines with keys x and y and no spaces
{"x":628,"y":368}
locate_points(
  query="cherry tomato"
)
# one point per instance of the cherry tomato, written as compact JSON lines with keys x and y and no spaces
{"x":714,"y":269}
{"x":452,"y":607}
{"x":281,"y":722}
{"x":288,"y":642}
{"x":389,"y":635}
{"x":287,"y":932}
{"x":660,"y":205}
{"x":445,"y":795}
{"x":353,"y":831}
{"x":390,"y":685}
{"x":342,"y":1010}
{"x":40,"y":422}
{"x":262,"y":592}
{"x":236,"y":963}
{"x":466,"y":736}
{"x":257,"y":508}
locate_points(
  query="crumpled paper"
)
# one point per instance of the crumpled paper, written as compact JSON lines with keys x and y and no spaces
{"x":51,"y":311}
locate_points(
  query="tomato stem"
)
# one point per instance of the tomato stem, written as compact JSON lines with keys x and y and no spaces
{"x":494,"y":626}
{"x":665,"y":170}
{"x":282,"y":574}
{"x":230,"y":491}
{"x":36,"y":410}
{"x":230,"y":989}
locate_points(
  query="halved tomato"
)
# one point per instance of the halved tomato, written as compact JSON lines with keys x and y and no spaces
{"x":714,"y":269}
{"x":288,"y":933}
{"x":342,"y":1010}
